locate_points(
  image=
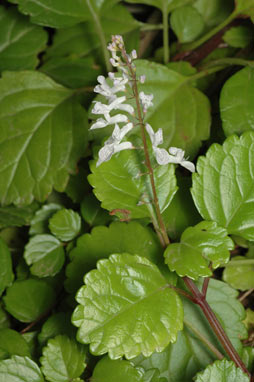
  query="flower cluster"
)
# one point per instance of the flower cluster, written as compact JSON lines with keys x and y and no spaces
{"x":124,"y":62}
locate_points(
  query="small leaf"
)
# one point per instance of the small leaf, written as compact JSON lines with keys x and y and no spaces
{"x":222,"y":371}
{"x":127,"y":308}
{"x":20,"y":41}
{"x":59,"y":323}
{"x":12,"y":343}
{"x":46,"y":255}
{"x":4,"y":319}
{"x":187,"y":23}
{"x":213,"y":12}
{"x":223,"y":185}
{"x":20,"y":369}
{"x":238,"y":37}
{"x":27,"y":300}
{"x":43,"y":133}
{"x":17,"y":216}
{"x":237,"y":114}
{"x":239,"y":276}
{"x":103,"y":241}
{"x":39,"y":223}
{"x":63,"y":359}
{"x":92,"y":212}
{"x":200,"y":245}
{"x":122,"y":184}
{"x":115,"y":371}
{"x":6,"y":274}
{"x":65,"y":224}
{"x":244,"y":7}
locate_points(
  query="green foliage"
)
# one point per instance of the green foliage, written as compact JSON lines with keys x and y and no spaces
{"x":222,"y":371}
{"x":200,"y":246}
{"x":12,"y":343}
{"x":187,"y":23}
{"x":39,"y":223}
{"x":144,"y":308}
{"x":239,"y":276}
{"x":223,"y":184}
{"x":17,"y":216}
{"x":6,"y":274}
{"x":20,"y":369}
{"x":238,"y":37}
{"x":65,"y":224}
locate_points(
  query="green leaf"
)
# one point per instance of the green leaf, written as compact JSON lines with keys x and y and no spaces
{"x":180,"y":110}
{"x":237,"y":114}
{"x":222,"y":371}
{"x":164,"y":5}
{"x":20,"y":369}
{"x":46,"y":255}
{"x":27,"y":300}
{"x":103,"y":241}
{"x":244,"y":7}
{"x":223,"y":185}
{"x":214,"y":12}
{"x":6,"y":274}
{"x":12,"y":343}
{"x":200,"y":245}
{"x":39,"y":223}
{"x":187,"y":23}
{"x":63,"y":359}
{"x":238,"y":37}
{"x":65,"y":224}
{"x":78,"y":186}
{"x":17,"y":216}
{"x":239,"y":276}
{"x":248,"y":358}
{"x":59,"y":323}
{"x":20,"y":41}
{"x":4,"y":319}
{"x":180,"y":361}
{"x":92,"y":212}
{"x":127,"y":308}
{"x":47,"y":136}
{"x":114,"y":371}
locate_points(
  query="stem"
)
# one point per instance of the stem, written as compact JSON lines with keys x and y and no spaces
{"x":101,"y":35}
{"x":210,"y":34}
{"x":205,"y":286}
{"x":150,"y":27}
{"x":229,"y":61}
{"x":203,"y":339}
{"x":165,"y":34}
{"x":246,"y":294}
{"x":215,"y":324}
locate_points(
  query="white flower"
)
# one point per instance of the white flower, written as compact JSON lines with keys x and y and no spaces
{"x":175,"y":155}
{"x":142,"y":79}
{"x":134,"y":54}
{"x":107,"y":91}
{"x":146,"y":100}
{"x":100,"y":122}
{"x":113,"y":145}
{"x":115,"y":104}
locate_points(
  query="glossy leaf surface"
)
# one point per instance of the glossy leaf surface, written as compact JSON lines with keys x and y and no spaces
{"x":103,"y":241}
{"x":39,"y":223}
{"x":65,"y":224}
{"x":238,"y":37}
{"x":27,"y":300}
{"x":239,"y":276}
{"x":12,"y":343}
{"x":223,"y":185}
{"x":17,"y":216}
{"x":45,"y":254}
{"x":127,"y":308}
{"x":187,"y":23}
{"x":63,"y":359}
{"x":6,"y":274}
{"x":222,"y":371}
{"x":237,"y":113}
{"x":47,"y":137}
{"x":200,"y":245}
{"x":56,"y":324}
{"x":20,"y":369}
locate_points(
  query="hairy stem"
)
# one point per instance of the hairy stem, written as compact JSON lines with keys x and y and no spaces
{"x":215,"y":324}
{"x":101,"y":35}
{"x":165,"y":34}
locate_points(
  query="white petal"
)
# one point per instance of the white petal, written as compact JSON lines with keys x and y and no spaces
{"x":142,"y":79}
{"x":179,"y":153}
{"x":105,"y":154}
{"x":158,"y":138}
{"x":123,"y":146}
{"x":161,"y":155}
{"x":100,"y":108}
{"x":116,"y":135}
{"x":134,"y":54}
{"x":126,"y":107}
{"x":151,"y":133}
{"x":100,"y":123}
{"x":117,"y":119}
{"x":189,"y":165}
{"x":125,"y":129}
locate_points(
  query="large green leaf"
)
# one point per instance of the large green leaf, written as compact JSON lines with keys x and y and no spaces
{"x":6,"y":274}
{"x":42,"y":135}
{"x":45,"y":254}
{"x":237,"y":113}
{"x":114,"y":371}
{"x":17,"y":216}
{"x":27,"y":300}
{"x":240,"y":276}
{"x":123,"y":183}
{"x":214,"y":11}
{"x":103,"y":241}
{"x":223,"y":185}
{"x":63,"y":359}
{"x":200,"y":245}
{"x":179,"y":362}
{"x":222,"y":371}
{"x":127,"y":308}
{"x":20,"y":369}
{"x":20,"y":41}
{"x":187,"y":23}
{"x":164,"y":5}
{"x":180,"y":110}
{"x":65,"y":224}
{"x":12,"y":343}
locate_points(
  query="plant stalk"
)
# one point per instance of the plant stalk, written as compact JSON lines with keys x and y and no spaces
{"x":165,"y":34}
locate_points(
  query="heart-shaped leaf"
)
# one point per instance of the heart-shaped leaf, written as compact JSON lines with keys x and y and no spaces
{"x":43,"y":133}
{"x":240,"y":276}
{"x":20,"y":369}
{"x":103,"y":241}
{"x":237,"y":113}
{"x":199,"y":245}
{"x":20,"y":41}
{"x":222,"y":371}
{"x":127,"y":308}
{"x":223,"y":185}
